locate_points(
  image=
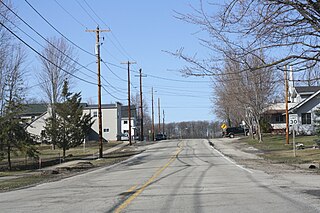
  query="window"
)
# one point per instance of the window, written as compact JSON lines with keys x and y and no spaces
{"x":95,"y":113}
{"x":306,"y":118}
{"x":279,"y":118}
{"x":125,"y":122}
{"x":106,"y":130}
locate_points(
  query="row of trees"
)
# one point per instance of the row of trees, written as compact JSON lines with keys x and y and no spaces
{"x":251,"y":41}
{"x":193,"y":129}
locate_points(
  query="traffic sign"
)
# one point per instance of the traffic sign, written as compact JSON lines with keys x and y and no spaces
{"x":293,"y":119}
{"x":223,"y":126}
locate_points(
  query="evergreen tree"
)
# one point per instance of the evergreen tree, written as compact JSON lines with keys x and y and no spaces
{"x":13,"y":137}
{"x":70,"y":127}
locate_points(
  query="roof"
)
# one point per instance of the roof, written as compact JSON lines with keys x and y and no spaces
{"x":305,"y":101}
{"x":34,"y":109}
{"x":124,"y":111}
{"x":279,"y":107}
{"x":307,"y":89}
{"x":103,"y":106}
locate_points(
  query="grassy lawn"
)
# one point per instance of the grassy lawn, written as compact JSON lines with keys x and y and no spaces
{"x":275,"y":149}
{"x":17,"y":179}
{"x":23,"y":180}
{"x":50,"y":157}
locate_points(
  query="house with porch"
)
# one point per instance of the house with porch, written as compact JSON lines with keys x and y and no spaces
{"x":303,"y":101}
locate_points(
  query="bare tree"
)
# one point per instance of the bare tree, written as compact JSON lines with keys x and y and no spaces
{"x":244,"y":91}
{"x":135,"y":100}
{"x":289,"y":30}
{"x":59,"y":66}
{"x":6,"y":43}
{"x":311,"y":76}
{"x":61,"y":58}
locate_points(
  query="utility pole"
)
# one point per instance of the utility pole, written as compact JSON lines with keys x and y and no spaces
{"x":129,"y":102}
{"x":97,"y":31}
{"x":141,"y":106}
{"x":162,"y":121}
{"x":159,"y":128}
{"x":287,"y":111}
{"x":152,"y":112}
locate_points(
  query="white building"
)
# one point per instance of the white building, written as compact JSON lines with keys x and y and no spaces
{"x":111,"y":116}
{"x":125,"y":121}
{"x":111,"y":121}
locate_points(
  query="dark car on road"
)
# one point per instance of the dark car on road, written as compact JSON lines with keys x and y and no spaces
{"x":160,"y":137}
{"x":232,"y":131}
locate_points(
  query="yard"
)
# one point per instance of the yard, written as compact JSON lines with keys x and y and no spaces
{"x":276,"y":150}
{"x":49,"y":156}
{"x":27,"y":174}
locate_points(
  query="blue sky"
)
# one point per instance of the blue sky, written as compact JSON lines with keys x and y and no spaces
{"x":141,"y":31}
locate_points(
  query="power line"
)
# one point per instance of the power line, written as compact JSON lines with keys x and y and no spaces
{"x":58,"y":30}
{"x":25,"y":43}
{"x":82,"y":66}
{"x":112,"y":71}
{"x":70,"y":14}
{"x":94,"y":20}
{"x":38,"y":84}
{"x":56,"y":48}
{"x":178,"y":89}
{"x":159,"y":77}
{"x":83,"y":26}
{"x":87,"y":13}
{"x":119,"y":99}
{"x":123,"y":51}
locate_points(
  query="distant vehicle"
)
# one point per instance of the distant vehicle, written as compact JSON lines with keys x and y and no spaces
{"x":232,"y":131}
{"x":161,"y":136}
{"x":124,"y":137}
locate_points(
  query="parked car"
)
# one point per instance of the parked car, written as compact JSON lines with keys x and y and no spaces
{"x":161,"y":136}
{"x":124,"y":137}
{"x":232,"y":131}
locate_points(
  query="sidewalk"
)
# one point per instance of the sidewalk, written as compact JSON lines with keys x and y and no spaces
{"x":84,"y":160}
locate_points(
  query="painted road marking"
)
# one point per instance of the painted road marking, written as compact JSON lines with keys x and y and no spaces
{"x":132,"y":188}
{"x":231,"y":161}
{"x":146,"y":184}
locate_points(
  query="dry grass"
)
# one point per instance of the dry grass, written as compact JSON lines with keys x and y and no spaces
{"x":275,"y":149}
{"x":18,"y":179}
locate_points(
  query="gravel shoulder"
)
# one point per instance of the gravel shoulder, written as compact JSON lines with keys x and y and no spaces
{"x":295,"y":180}
{"x":248,"y":156}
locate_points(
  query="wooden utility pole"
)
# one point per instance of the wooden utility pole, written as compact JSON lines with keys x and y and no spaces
{"x":97,"y":31}
{"x":141,"y":108}
{"x":129,"y":102}
{"x":287,"y":110}
{"x":162,"y":121}
{"x":152,"y":112}
{"x":159,"y":124}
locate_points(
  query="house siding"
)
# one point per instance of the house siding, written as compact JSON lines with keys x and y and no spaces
{"x":110,"y":123}
{"x":309,"y":107}
{"x":37,"y":125}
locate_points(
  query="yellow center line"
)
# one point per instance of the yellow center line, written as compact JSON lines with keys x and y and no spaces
{"x":132,"y":189}
{"x":146,"y":184}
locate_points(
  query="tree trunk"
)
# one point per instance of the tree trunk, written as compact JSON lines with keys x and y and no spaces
{"x":64,"y":154}
{"x":9,"y":157}
{"x":259,"y":132}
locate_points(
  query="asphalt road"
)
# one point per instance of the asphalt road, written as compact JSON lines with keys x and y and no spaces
{"x":170,"y":176}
